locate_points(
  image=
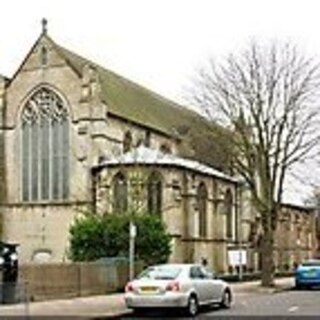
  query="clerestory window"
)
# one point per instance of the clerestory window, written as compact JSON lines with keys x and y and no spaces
{"x":155,"y":193}
{"x":120,"y":193}
{"x":202,"y":196}
{"x":228,"y":203}
{"x":127,"y":142}
{"x":45,"y":147}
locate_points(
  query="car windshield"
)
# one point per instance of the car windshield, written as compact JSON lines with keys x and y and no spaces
{"x":160,"y":273}
{"x":311,"y":263}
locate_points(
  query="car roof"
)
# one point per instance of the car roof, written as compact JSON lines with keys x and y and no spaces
{"x":311,"y":261}
{"x":176,"y":265}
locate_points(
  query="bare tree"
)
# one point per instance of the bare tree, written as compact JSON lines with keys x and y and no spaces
{"x":267,"y":96}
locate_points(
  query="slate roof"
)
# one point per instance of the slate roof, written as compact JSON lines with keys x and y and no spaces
{"x":130,"y":100}
{"x":147,"y":156}
{"x":201,"y":139}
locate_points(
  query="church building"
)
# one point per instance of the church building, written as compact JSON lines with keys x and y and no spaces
{"x":75,"y":136}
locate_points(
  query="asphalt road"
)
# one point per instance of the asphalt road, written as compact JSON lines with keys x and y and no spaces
{"x":282,"y":305}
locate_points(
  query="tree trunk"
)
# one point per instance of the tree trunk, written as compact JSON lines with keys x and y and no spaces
{"x":266,"y":251}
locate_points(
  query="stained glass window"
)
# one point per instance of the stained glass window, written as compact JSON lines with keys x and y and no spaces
{"x":154,"y":193}
{"x":202,"y":196}
{"x":120,"y":193}
{"x":229,"y":214}
{"x":45,"y":148}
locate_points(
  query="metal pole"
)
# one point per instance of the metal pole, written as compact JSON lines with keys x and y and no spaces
{"x":132,"y":235}
{"x":240,"y":231}
{"x":240,"y":262}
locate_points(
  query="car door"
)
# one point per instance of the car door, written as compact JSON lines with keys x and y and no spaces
{"x":198,"y":284}
{"x":217,"y":289}
{"x":209,"y":285}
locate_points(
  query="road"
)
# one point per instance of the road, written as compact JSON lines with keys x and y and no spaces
{"x":288,"y":304}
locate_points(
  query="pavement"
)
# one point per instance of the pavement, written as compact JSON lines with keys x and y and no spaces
{"x":112,"y":305}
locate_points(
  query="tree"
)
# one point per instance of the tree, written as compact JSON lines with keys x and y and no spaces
{"x":266,"y":95}
{"x":152,"y":242}
{"x":94,"y":236}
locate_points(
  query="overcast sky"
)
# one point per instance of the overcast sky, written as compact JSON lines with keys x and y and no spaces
{"x":157,"y":43}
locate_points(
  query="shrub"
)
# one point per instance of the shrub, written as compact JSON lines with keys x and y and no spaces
{"x":93,"y":237}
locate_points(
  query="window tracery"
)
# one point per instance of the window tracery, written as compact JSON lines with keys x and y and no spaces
{"x":155,"y":193}
{"x":202,"y":196}
{"x":120,"y":193}
{"x":45,"y":147}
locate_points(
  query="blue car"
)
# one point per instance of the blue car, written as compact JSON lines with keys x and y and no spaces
{"x":307,"y":274}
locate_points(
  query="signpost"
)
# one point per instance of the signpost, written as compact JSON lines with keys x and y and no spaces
{"x":238,"y":258}
{"x":132,"y":236}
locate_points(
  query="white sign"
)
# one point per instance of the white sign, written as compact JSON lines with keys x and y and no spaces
{"x":133,"y":230}
{"x":237,"y":257}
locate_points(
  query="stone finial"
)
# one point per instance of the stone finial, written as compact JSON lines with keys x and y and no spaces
{"x":44,"y":23}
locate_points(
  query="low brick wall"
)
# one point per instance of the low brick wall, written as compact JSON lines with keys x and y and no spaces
{"x":52,"y":281}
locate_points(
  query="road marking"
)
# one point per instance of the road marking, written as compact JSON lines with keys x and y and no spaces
{"x":293,"y":309}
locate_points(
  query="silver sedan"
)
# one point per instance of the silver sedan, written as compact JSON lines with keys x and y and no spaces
{"x":185,"y":286}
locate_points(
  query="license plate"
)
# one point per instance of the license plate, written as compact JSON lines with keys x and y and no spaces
{"x":148,"y":290}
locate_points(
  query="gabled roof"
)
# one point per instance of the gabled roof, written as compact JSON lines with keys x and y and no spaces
{"x":147,"y":156}
{"x":202,"y":140}
{"x":129,"y":100}
{"x":199,"y":138}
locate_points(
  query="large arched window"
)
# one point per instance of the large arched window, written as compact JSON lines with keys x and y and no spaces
{"x":155,"y":193}
{"x":45,"y":147}
{"x":228,"y":202}
{"x":202,"y":196}
{"x":120,"y":193}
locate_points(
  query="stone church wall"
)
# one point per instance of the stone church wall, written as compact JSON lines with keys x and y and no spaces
{"x":180,"y":211}
{"x":93,"y":136}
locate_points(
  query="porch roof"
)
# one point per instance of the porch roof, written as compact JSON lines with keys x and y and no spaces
{"x":146,"y":156}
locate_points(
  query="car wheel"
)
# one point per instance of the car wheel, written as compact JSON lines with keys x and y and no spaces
{"x":226,"y":299}
{"x":299,"y":286}
{"x":193,"y":306}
